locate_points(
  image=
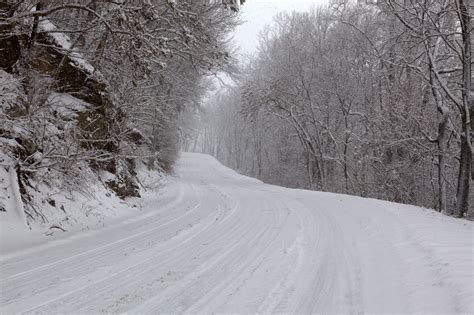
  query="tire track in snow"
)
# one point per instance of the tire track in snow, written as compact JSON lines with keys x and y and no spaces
{"x":216,"y":269}
{"x":15,"y":260}
{"x":276,"y":295}
{"x":81,"y":261}
{"x":239,"y":275}
{"x":127,"y":278}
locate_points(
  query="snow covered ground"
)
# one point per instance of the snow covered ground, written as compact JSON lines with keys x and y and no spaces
{"x":216,"y":241}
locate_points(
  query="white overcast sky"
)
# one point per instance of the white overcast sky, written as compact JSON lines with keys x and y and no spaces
{"x":258,"y":13}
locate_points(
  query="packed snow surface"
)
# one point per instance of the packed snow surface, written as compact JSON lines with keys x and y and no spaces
{"x":217,"y":241}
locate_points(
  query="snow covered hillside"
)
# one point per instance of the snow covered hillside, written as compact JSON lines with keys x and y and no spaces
{"x":216,"y":241}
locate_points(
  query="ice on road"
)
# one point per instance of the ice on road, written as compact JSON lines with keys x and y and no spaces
{"x":221,"y":242}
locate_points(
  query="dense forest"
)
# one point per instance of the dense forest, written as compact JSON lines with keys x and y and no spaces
{"x":371,"y":98}
{"x":91,"y":87}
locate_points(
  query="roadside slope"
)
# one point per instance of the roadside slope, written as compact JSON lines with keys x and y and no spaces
{"x":229,"y":243}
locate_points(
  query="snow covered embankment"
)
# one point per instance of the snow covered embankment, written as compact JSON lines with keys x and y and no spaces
{"x":216,"y":241}
{"x":65,"y":146}
{"x":92,"y":207}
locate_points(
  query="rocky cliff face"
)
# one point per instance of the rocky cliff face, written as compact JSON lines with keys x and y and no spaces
{"x":10,"y":48}
{"x":59,"y":118}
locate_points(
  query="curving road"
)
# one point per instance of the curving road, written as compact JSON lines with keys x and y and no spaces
{"x":229,"y":243}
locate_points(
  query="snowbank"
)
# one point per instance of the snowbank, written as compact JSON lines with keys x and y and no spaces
{"x":89,"y":207}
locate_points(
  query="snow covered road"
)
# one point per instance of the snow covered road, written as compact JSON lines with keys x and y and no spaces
{"x":222,"y":242}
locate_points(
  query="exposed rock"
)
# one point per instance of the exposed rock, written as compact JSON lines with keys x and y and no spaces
{"x":53,"y":58}
{"x":10,"y":51}
{"x":10,"y":48}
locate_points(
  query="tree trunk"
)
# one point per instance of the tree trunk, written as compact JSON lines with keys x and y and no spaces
{"x":465,"y":167}
{"x":34,"y":31}
{"x":464,"y":180}
{"x":442,"y":143}
{"x":442,"y":146}
{"x":470,"y":100}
